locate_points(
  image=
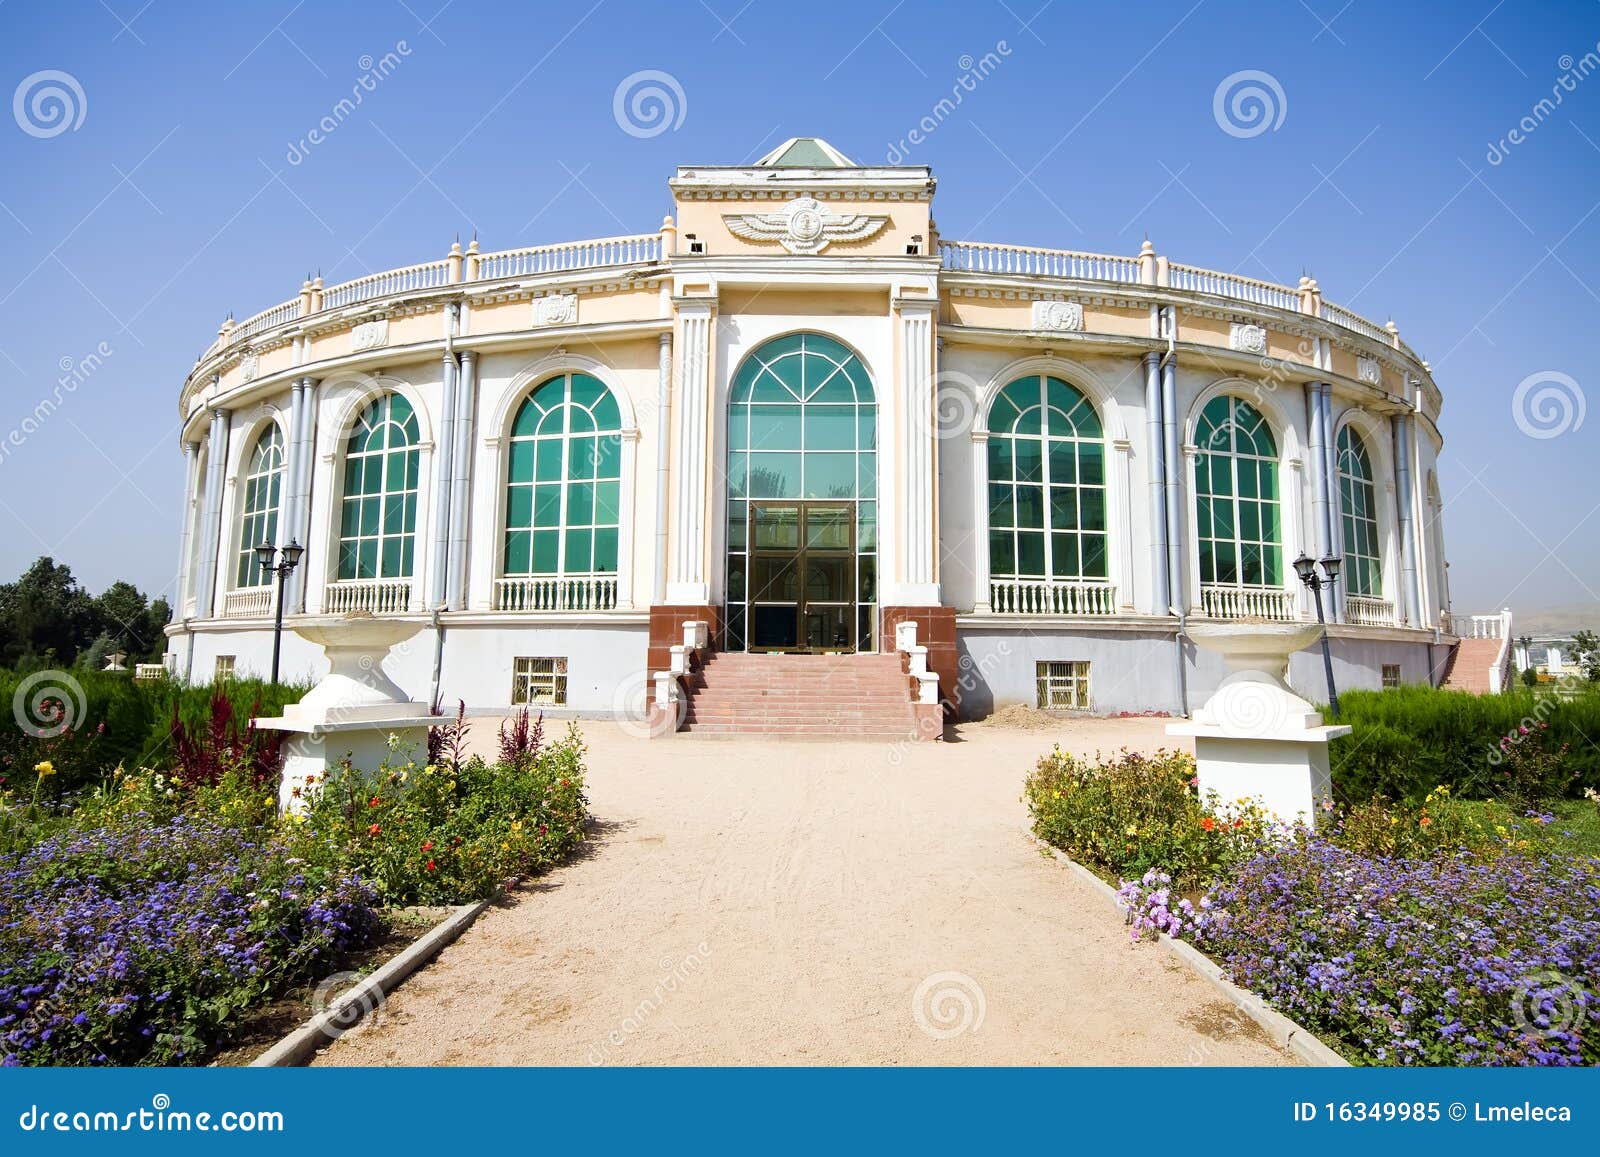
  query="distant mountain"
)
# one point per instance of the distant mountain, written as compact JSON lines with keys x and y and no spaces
{"x":1556,"y":620}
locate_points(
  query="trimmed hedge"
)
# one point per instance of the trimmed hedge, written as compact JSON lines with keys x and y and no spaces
{"x":1408,"y":740}
{"x":124,"y":721}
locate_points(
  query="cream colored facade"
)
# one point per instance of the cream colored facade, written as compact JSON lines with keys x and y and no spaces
{"x":665,"y":321}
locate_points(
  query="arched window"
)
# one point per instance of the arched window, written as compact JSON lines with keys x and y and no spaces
{"x":1047,"y":483}
{"x":564,"y":481}
{"x":1236,"y":497}
{"x":1358,"y":516}
{"x":378,"y":519}
{"x":258,"y":510}
{"x":802,"y":498}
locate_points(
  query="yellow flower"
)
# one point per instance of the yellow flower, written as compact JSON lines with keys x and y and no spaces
{"x":1132,"y":830}
{"x":45,"y":768}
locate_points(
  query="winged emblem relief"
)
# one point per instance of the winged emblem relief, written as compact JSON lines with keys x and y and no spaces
{"x":804,"y":226}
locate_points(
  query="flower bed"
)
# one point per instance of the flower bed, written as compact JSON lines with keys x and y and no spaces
{"x":141,"y":922}
{"x":1138,"y":813}
{"x":141,"y":942}
{"x":1449,"y":961}
{"x":455,"y":830}
{"x":1439,"y":932}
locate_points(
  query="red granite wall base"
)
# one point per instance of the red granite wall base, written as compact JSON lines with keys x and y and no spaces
{"x":936,"y":630}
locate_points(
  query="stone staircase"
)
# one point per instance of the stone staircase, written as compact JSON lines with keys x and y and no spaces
{"x":1480,"y":662}
{"x":797,"y":696}
{"x":1471,"y":666}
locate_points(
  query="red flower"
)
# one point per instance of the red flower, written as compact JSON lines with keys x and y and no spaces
{"x":1207,"y":823}
{"x":373,"y":802}
{"x":428,"y":847}
{"x":374,"y":830}
{"x":430,"y":865}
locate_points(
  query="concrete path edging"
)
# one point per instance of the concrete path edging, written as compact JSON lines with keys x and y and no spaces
{"x":1284,"y":1033}
{"x":323,"y":1029}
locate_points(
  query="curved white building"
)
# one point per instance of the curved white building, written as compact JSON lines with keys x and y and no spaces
{"x":798,"y":413}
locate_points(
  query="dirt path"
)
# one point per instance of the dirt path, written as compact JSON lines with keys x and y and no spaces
{"x":815,"y":903}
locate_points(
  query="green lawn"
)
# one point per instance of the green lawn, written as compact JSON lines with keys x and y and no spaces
{"x":1575,"y":831}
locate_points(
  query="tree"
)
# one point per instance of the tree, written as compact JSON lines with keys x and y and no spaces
{"x":45,"y":615}
{"x":1586,"y":653}
{"x":131,"y":621}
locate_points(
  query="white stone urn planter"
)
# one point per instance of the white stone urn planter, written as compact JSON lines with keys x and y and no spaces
{"x":1255,"y":739}
{"x":355,"y":708}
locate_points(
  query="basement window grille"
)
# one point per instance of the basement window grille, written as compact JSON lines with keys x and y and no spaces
{"x":1391,"y":675}
{"x":1063,"y":686}
{"x":536,"y":679}
{"x":224,"y":669}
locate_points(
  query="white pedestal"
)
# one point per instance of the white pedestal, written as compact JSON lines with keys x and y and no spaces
{"x":352,"y":712}
{"x":1255,"y":739}
{"x":1287,"y":776}
{"x":365,"y":745}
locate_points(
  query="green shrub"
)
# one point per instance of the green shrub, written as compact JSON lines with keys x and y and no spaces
{"x":111,"y":720}
{"x":446,"y":834}
{"x":1408,"y":740}
{"x":1136,"y":813}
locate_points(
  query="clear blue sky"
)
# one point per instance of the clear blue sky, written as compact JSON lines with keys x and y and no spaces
{"x":173,"y":201}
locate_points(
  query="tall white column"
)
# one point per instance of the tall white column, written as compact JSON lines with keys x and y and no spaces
{"x":304,"y":449}
{"x":687,"y":583}
{"x":917,"y":584}
{"x":1316,"y":461}
{"x":443,"y":475}
{"x":980,"y":521}
{"x":211,"y":527}
{"x":1406,"y":499}
{"x":185,"y":579}
{"x":1156,"y":467}
{"x":461,"y":468}
{"x":1181,"y":599}
{"x":658,"y":578}
{"x":1119,"y":521}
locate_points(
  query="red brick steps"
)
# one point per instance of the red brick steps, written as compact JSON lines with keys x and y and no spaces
{"x":1470,"y":665}
{"x":799,"y":696}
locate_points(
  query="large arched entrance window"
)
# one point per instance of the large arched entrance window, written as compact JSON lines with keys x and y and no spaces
{"x":1358,"y":517}
{"x":258,"y":512}
{"x":802,"y":499}
{"x":1047,"y":491}
{"x":563,"y":498}
{"x":378,"y":512}
{"x":1236,"y":497}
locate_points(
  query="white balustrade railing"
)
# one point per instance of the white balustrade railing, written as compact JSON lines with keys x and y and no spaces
{"x":1366,"y":611}
{"x":1229,"y":602}
{"x":428,"y":275}
{"x":266,"y":319}
{"x":956,"y":256}
{"x":1197,"y":280}
{"x":1046,"y":597}
{"x":556,"y":593}
{"x":637,"y":249}
{"x":1478,"y":626}
{"x":1341,"y":316}
{"x":1029,"y":261}
{"x":372,"y":596}
{"x":249,"y":603}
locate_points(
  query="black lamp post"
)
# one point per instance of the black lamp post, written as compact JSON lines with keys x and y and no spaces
{"x":266,"y":555}
{"x":1306,"y":567}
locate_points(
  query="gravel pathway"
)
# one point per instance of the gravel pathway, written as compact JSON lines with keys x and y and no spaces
{"x":747,"y":902}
